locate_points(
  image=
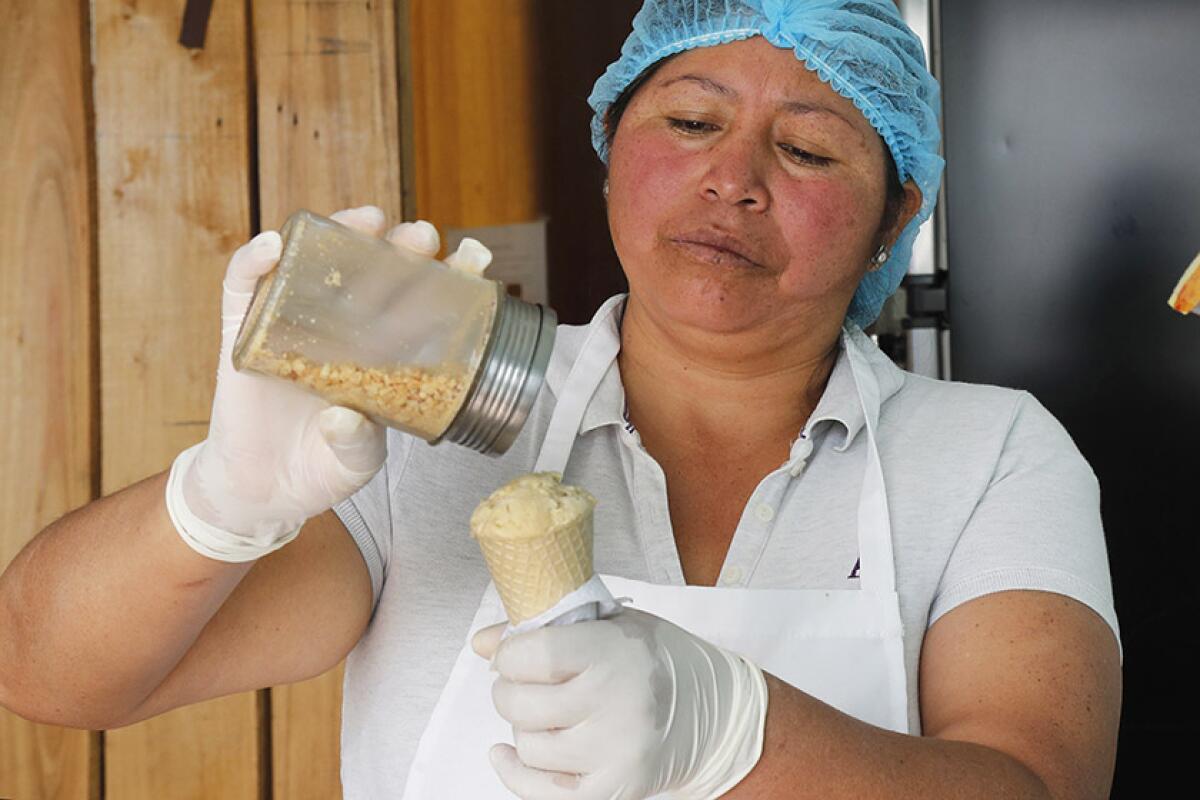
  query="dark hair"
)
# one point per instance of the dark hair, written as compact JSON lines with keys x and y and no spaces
{"x":612,"y":118}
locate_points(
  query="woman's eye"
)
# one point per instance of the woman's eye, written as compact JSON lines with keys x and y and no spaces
{"x":803,"y":156}
{"x":691,"y":126}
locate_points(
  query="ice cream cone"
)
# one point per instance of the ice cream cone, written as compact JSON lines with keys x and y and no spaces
{"x":1186,"y":297}
{"x":536,"y":536}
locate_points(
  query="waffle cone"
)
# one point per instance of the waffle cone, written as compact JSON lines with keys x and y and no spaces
{"x":1186,"y":297}
{"x":532,"y":574}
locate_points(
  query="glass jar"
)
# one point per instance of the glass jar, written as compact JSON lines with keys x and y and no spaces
{"x":406,"y":340}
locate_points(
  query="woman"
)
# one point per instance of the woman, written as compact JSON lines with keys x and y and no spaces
{"x":877,"y":585}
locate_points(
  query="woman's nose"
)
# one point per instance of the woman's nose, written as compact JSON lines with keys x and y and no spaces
{"x":735,"y":175}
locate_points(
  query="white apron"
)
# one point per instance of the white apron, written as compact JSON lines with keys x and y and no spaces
{"x":844,"y":647}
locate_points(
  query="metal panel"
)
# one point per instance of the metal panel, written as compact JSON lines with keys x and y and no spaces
{"x":924,"y":355}
{"x":923,"y":351}
{"x":1074,"y":195}
{"x":918,"y":15}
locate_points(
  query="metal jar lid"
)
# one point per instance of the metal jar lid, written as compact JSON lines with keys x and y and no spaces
{"x":509,"y":378}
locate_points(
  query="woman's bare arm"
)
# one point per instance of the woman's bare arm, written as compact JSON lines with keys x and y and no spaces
{"x":1020,"y":698}
{"x":106,"y":616}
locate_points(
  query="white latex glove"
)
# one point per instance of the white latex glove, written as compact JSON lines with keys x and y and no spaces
{"x":275,"y":455}
{"x":623,"y":709}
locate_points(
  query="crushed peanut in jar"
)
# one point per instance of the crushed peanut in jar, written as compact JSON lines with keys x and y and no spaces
{"x":419,"y":399}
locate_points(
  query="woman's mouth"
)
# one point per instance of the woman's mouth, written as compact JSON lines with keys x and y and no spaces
{"x":716,"y":250}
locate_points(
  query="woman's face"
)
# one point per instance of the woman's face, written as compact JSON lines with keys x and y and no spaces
{"x":744,"y":191}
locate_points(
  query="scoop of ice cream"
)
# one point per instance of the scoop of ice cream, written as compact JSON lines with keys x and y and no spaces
{"x":530,"y":506}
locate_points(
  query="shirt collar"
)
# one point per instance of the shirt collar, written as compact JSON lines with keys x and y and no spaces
{"x":838,"y":404}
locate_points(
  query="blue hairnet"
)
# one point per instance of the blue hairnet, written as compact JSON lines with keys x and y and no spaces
{"x":861,"y":48}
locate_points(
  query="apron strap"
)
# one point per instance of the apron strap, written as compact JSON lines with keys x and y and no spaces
{"x":878,"y":568}
{"x":599,"y":350}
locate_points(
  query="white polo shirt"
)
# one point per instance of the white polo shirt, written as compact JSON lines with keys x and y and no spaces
{"x":986,"y":490}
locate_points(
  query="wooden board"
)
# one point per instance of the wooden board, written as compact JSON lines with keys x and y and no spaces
{"x":47,"y":383}
{"x":328,"y":136}
{"x":172,"y":156}
{"x":474,"y":112}
{"x":328,"y":122}
{"x":306,"y":721}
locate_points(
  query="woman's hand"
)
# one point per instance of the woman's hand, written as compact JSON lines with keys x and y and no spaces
{"x":277,"y":455}
{"x":623,"y":709}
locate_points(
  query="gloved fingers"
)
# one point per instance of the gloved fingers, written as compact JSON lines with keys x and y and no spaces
{"x":250,"y":262}
{"x":365,"y":219}
{"x":357,"y":444}
{"x":532,"y":784}
{"x":568,"y":750}
{"x":486,"y":640}
{"x":420,"y":237}
{"x":472,"y":256}
{"x":541,"y":706}
{"x":553,"y":654}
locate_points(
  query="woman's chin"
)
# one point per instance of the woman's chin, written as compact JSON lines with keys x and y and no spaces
{"x":708,"y":307}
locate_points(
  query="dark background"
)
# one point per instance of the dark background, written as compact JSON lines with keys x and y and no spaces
{"x":1073,"y":204}
{"x":1073,"y":186}
{"x":579,"y":39}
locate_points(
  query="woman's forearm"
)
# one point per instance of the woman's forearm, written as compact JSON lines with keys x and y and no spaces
{"x":100,"y":606}
{"x":812,"y":750}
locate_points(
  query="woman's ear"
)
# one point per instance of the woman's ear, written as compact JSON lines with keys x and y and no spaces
{"x":909,"y":209}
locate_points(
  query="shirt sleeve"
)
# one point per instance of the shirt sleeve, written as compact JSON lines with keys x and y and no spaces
{"x":1037,"y":525}
{"x":367,"y":514}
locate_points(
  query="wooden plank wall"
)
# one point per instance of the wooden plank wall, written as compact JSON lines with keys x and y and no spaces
{"x":474,"y":82}
{"x":46,"y":366}
{"x":133,"y":167}
{"x":328,"y":138}
{"x":173,"y":184}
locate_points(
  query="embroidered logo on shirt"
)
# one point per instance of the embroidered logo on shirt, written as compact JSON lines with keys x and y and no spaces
{"x":854,"y":572}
